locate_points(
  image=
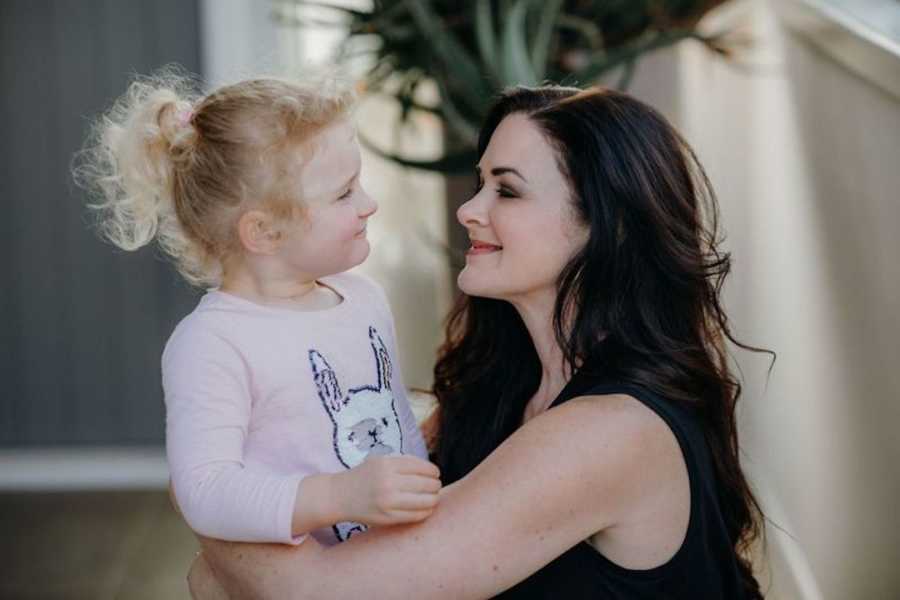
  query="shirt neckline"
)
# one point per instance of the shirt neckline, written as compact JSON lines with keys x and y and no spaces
{"x":328,"y":281}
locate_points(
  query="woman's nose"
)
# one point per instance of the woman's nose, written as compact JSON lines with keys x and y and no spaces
{"x":471,"y":212}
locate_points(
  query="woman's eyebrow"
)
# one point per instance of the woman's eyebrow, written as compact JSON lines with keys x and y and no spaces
{"x":497,"y":171}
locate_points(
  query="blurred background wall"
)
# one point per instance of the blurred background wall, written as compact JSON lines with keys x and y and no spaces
{"x":801,"y":138}
{"x":81,"y":325}
{"x":804,"y":155}
{"x":802,"y":150}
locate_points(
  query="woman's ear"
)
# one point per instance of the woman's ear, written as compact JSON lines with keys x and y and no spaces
{"x":258,"y":232}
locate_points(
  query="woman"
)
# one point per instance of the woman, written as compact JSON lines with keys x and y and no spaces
{"x":586,"y":410}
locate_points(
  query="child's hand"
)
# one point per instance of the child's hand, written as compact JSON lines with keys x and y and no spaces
{"x":388,"y":490}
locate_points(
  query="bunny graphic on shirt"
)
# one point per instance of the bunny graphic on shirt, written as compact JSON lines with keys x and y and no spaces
{"x":365,"y":418}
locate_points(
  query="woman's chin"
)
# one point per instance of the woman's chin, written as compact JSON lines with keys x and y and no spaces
{"x":473,"y":285}
{"x":464,"y":282}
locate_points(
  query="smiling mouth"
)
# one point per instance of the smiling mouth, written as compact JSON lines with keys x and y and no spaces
{"x":483,"y":248}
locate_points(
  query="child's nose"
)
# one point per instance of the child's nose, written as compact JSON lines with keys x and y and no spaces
{"x":367,"y":205}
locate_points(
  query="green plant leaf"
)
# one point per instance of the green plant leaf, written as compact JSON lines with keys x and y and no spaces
{"x":454,"y":118}
{"x":461,"y":67}
{"x":627,"y":75}
{"x":516,"y":67}
{"x":413,"y":105}
{"x":458,"y":162}
{"x":604,"y":62}
{"x":587,"y":29}
{"x":485,"y":36}
{"x":540,"y":50}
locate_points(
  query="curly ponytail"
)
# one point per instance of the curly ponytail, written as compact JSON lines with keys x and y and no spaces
{"x":168,"y":164}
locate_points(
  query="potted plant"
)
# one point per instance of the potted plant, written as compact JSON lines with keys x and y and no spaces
{"x":474,"y":48}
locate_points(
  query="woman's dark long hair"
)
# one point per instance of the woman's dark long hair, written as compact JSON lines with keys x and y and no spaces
{"x":642,"y":297}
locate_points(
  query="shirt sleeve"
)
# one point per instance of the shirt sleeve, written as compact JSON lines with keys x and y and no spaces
{"x":208,"y":403}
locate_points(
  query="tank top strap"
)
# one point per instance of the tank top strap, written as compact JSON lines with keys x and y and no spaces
{"x":683,"y":423}
{"x":702,"y":567}
{"x":681,"y":419}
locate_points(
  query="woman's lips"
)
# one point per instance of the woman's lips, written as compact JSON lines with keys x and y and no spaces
{"x":483,"y":248}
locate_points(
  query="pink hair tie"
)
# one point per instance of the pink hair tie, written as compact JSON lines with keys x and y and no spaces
{"x":184,"y":117}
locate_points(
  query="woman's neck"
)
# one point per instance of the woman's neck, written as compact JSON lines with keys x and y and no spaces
{"x":537,"y":314}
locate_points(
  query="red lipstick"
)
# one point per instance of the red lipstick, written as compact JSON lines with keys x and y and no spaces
{"x":479,"y":247}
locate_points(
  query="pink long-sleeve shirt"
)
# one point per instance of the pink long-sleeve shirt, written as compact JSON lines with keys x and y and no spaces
{"x":257,"y":397}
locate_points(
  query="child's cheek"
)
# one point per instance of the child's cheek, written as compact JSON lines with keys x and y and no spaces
{"x":351,"y":225}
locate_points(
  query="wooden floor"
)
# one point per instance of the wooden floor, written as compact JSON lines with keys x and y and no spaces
{"x":93,"y":546}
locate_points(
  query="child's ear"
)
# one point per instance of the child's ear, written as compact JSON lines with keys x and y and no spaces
{"x":258,"y":232}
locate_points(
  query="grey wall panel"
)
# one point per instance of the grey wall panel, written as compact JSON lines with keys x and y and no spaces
{"x":82,"y":325}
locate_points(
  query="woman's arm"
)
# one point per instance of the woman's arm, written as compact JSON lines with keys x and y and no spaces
{"x":575,"y":470}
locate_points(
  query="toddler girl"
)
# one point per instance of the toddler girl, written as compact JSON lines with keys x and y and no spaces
{"x":285,"y":410}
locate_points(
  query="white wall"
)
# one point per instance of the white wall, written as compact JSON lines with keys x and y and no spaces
{"x":239,"y":39}
{"x":804,"y":156}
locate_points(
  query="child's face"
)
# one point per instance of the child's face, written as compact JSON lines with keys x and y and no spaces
{"x":330,"y":237}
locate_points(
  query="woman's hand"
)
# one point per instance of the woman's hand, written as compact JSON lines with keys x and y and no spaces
{"x":388,"y":490}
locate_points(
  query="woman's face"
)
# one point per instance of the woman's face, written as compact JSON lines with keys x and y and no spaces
{"x":521,"y":222}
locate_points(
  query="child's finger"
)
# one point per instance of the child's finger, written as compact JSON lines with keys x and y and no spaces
{"x":412,"y":465}
{"x":407,"y":516}
{"x":411,"y":501}
{"x":420,"y":484}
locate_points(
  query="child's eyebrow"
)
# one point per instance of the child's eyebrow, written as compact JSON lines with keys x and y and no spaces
{"x":349,"y":181}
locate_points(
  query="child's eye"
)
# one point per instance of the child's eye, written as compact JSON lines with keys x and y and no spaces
{"x":346,"y":194}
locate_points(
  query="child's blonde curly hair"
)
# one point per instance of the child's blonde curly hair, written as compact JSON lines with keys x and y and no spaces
{"x":167,"y":163}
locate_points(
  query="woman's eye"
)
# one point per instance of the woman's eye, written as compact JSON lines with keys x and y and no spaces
{"x":505,"y":192}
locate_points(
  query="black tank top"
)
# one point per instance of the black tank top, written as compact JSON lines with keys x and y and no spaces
{"x":703,"y":567}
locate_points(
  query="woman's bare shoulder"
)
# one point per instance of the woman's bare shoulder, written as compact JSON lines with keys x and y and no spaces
{"x":615,"y":442}
{"x":618,"y":418}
